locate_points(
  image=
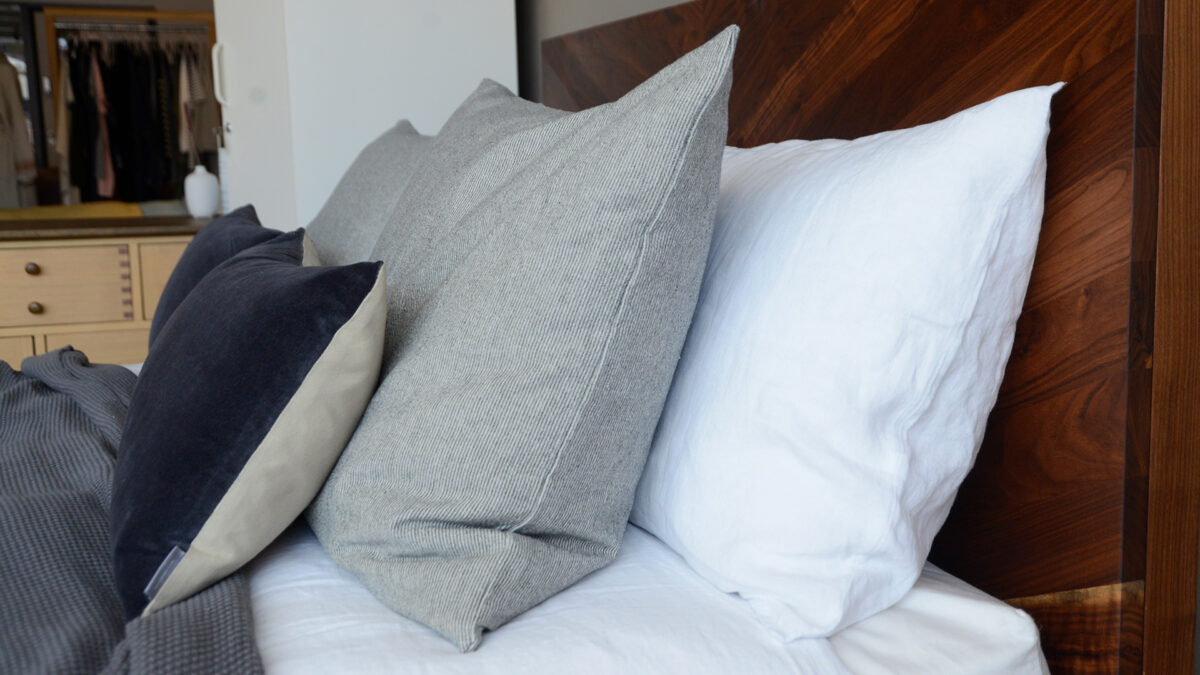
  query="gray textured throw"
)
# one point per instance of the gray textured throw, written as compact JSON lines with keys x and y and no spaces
{"x":60,"y":423}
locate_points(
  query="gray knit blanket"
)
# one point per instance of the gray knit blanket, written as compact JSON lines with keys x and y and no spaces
{"x":60,"y":427}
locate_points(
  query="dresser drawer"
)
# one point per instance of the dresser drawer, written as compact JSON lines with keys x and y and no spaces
{"x":14,"y":349}
{"x":158,"y":261}
{"x":69,"y":284}
{"x":104,"y":346}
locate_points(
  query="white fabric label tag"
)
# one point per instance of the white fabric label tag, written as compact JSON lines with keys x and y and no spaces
{"x":164,"y":570}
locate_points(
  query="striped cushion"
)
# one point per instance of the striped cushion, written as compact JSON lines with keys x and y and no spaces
{"x":349,"y":224}
{"x":542,"y":273}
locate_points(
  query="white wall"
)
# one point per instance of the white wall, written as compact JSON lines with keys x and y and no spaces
{"x":558,"y":17}
{"x":358,"y":66}
{"x":255,"y":79}
{"x":312,"y":81}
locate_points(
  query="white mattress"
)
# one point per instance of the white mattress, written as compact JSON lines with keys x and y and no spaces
{"x":647,"y":612}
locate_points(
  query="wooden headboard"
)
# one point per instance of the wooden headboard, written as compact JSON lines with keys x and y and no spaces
{"x":1084,"y":504}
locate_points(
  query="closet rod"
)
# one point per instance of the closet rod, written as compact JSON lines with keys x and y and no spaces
{"x":129,"y":27}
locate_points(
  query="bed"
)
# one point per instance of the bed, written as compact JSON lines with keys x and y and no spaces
{"x":1081,"y":510}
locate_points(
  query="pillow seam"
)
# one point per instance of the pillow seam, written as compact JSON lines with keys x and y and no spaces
{"x":589,"y":394}
{"x":597,"y":368}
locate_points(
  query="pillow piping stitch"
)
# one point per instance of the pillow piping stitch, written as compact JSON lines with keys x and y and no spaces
{"x":621,"y":306}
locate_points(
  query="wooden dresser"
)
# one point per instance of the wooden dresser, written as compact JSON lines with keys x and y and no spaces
{"x":92,"y":284}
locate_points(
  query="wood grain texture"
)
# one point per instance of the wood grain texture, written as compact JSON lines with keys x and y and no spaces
{"x":1143,"y":254}
{"x":14,"y":349}
{"x":157,"y":262}
{"x":105,"y":346}
{"x":75,"y":228}
{"x":76,"y":279}
{"x":1054,"y":457}
{"x":1082,"y":629}
{"x":1088,"y":476}
{"x":77,"y":284}
{"x":1174,"y":498}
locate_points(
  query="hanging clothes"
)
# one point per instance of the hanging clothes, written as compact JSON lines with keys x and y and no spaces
{"x":106,"y":179}
{"x":64,"y":99}
{"x":187,"y":126}
{"x":17,"y":168}
{"x":167,"y":90}
{"x":85,"y":120}
{"x":125,"y":99}
{"x":197,"y":105}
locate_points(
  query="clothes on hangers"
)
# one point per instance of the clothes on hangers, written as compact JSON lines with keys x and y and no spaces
{"x":106,"y":179}
{"x":125,"y":125}
{"x":197,"y":104}
{"x":84,"y":120}
{"x":64,"y":100}
{"x":17,"y":168}
{"x":166,"y":94}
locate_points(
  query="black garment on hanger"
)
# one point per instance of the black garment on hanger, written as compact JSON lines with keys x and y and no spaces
{"x":120,"y":131}
{"x":85,"y":120}
{"x":133,"y":124}
{"x":166,"y":75}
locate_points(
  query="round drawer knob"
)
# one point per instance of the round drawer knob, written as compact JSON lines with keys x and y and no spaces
{"x":32,"y":268}
{"x":36,"y":308}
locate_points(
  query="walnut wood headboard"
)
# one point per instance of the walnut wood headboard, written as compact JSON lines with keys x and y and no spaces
{"x":1084,"y":504}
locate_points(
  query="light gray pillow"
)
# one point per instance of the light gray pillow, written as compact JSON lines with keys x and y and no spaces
{"x":542,"y":273}
{"x":346,"y":229}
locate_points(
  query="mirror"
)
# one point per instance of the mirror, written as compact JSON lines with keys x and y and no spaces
{"x":103,"y":112}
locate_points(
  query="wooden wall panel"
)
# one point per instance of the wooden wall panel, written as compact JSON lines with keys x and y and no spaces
{"x":1090,"y":630}
{"x":828,"y":68}
{"x":1174,"y":500}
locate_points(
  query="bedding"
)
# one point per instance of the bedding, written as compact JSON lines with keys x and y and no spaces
{"x":60,"y":425}
{"x":546,"y":267}
{"x":943,"y":625}
{"x":542,"y":272}
{"x":279,"y":360}
{"x":350,"y":222}
{"x":217,"y":242}
{"x":646,"y":612}
{"x":306,"y":614}
{"x":856,"y":315}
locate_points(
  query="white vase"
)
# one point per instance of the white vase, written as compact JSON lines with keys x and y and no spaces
{"x":202,"y":192}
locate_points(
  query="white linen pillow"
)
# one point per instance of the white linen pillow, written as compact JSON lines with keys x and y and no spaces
{"x":855,"y":318}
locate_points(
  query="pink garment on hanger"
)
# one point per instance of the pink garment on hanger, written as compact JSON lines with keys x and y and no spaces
{"x":106,"y":180}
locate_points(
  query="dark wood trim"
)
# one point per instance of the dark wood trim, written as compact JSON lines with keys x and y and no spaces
{"x":15,"y":230}
{"x":1174,"y":507}
{"x":1139,"y":370}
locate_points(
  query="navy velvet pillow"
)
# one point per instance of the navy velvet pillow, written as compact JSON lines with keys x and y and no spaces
{"x":245,"y":402}
{"x":217,"y":242}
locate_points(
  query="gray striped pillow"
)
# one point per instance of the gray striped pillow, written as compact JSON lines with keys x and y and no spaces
{"x":543,"y":268}
{"x":349,"y":224}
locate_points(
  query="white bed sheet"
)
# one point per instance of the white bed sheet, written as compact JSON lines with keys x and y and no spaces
{"x":943,"y":625}
{"x":647,"y":612}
